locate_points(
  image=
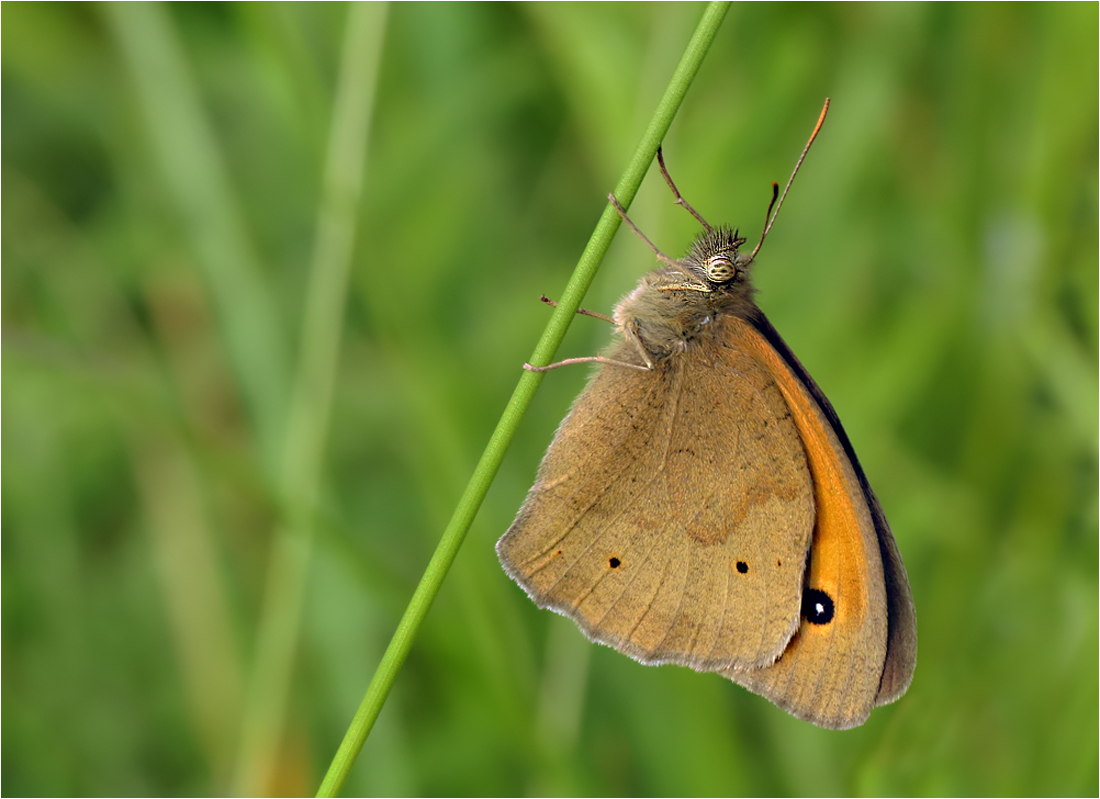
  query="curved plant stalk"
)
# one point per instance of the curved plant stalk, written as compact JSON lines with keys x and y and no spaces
{"x":486,"y":469}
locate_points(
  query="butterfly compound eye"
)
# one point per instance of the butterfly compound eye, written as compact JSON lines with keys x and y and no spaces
{"x":720,"y":269}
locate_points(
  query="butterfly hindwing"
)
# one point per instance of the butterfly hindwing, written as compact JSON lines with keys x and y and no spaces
{"x":671,"y":516}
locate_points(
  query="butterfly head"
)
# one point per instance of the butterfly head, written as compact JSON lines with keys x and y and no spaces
{"x":715,"y":259}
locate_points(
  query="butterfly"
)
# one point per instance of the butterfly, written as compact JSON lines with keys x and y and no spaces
{"x":701,"y":504}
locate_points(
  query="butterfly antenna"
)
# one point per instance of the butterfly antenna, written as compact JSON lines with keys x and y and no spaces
{"x":769,"y":220}
{"x":679,"y":198}
{"x":622,"y":213}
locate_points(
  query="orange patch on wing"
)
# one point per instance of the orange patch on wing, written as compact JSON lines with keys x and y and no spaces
{"x":840,"y":554}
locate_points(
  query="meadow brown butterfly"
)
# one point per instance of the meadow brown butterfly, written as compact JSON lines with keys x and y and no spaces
{"x":702,"y":505}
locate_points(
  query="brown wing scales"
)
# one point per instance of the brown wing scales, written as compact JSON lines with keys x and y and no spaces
{"x":844,"y":655}
{"x":673,"y":530}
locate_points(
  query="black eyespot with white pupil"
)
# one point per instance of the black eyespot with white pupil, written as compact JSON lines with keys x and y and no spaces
{"x":720,"y":269}
{"x":817,"y":606}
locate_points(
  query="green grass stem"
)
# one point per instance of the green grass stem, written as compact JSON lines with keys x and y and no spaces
{"x":486,"y":469}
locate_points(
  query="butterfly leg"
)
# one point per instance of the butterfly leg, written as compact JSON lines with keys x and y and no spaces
{"x":583,"y":311}
{"x":588,"y":359}
{"x":629,"y":333}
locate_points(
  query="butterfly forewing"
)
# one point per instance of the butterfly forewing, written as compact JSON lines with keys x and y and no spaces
{"x":831,"y":671}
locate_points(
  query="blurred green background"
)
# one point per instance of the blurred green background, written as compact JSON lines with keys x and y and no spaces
{"x":935,"y":268}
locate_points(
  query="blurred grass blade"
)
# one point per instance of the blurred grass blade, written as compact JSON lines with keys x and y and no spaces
{"x":300,"y":471}
{"x":186,"y":559}
{"x":184,"y":145}
{"x":487,"y":467}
